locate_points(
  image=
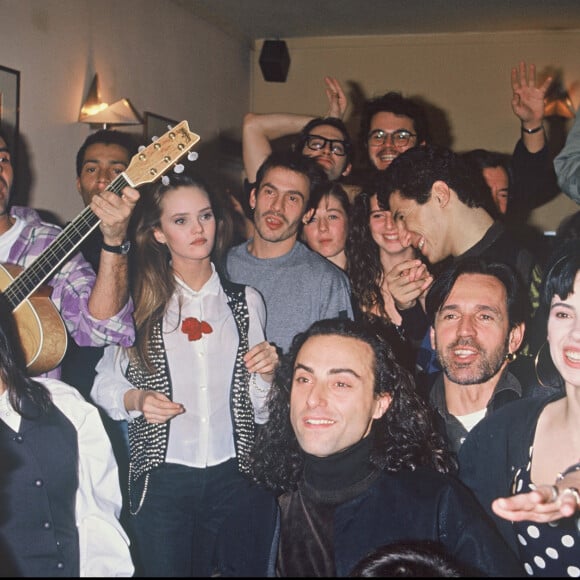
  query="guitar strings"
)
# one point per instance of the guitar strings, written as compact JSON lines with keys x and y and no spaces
{"x":33,"y":276}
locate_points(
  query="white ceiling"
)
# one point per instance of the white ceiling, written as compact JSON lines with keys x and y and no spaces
{"x":259,"y":19}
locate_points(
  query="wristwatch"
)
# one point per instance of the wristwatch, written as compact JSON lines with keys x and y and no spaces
{"x":123,"y":249}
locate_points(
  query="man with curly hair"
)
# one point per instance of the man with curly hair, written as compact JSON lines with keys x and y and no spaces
{"x":352,"y":452}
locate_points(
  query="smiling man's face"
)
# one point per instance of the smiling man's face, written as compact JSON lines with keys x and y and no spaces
{"x":332,"y":403}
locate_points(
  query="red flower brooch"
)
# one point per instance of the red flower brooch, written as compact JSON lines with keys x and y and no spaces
{"x":195,"y":328}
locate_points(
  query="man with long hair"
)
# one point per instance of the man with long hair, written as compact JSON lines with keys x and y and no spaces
{"x":352,"y":451}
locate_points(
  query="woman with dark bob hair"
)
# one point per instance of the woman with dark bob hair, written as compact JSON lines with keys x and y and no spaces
{"x":522,"y":462}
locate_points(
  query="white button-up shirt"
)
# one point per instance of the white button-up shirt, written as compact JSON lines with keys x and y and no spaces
{"x":103,"y":544}
{"x":201,"y":374}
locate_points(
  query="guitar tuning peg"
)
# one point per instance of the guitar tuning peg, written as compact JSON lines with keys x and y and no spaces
{"x":154,"y":138}
{"x":165,"y":180}
{"x":169,"y":127}
{"x":179,"y":168}
{"x":141,"y":148}
{"x":192,"y":155}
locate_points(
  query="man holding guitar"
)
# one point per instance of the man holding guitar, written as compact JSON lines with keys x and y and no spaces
{"x":96,"y":308}
{"x":101,"y":158}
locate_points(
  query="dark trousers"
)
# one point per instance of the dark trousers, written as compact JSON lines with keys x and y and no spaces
{"x":176,"y":531}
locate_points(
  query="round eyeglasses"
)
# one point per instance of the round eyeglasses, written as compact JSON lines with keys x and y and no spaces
{"x":318,"y":143}
{"x":400,"y":139}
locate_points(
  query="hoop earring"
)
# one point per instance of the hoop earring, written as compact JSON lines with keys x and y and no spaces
{"x":536,"y":359}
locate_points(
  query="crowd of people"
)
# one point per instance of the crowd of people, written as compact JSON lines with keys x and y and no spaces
{"x":381,"y":379}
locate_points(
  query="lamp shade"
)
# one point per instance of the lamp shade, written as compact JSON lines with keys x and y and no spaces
{"x":121,"y":112}
{"x":93,"y":103}
{"x":561,"y":107}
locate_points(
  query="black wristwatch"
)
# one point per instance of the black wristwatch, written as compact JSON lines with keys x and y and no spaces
{"x":123,"y":249}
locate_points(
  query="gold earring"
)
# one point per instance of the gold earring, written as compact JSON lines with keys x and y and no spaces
{"x":511,"y":356}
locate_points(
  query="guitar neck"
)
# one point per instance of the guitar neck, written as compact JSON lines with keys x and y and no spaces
{"x":61,"y":248}
{"x":146,"y":166}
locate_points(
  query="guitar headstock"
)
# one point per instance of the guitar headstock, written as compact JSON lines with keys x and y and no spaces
{"x":153,"y":161}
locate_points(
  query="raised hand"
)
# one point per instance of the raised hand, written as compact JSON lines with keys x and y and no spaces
{"x":337,"y":101}
{"x":528,"y":98}
{"x":114,"y":213}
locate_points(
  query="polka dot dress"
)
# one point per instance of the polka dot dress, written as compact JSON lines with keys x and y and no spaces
{"x":547,"y":549}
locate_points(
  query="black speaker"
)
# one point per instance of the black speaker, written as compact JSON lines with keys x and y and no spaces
{"x":274,"y":61}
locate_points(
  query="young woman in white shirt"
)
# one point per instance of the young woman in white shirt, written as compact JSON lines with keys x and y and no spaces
{"x":193,"y":386}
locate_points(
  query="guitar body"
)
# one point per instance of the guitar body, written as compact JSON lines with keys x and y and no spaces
{"x":42,"y":332}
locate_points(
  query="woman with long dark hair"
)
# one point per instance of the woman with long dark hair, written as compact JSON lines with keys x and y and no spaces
{"x":59,"y":487}
{"x":388,"y":281}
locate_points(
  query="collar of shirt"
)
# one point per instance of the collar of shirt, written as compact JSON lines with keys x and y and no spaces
{"x":210,"y":288}
{"x":507,"y":383}
{"x":8,"y":414}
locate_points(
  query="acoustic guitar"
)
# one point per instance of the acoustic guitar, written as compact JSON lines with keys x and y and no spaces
{"x":42,"y":332}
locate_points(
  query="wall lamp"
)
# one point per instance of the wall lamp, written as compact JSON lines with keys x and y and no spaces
{"x":558,"y":102}
{"x":97,"y":113}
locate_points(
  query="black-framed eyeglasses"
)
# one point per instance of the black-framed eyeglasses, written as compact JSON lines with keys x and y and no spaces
{"x":318,"y":143}
{"x":399,"y":139}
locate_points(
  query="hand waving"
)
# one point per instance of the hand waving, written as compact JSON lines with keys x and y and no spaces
{"x":528,"y":99}
{"x":337,"y":101}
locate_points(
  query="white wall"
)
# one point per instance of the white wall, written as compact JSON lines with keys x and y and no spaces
{"x":167,"y":61}
{"x":466,"y":76}
{"x":153,"y":52}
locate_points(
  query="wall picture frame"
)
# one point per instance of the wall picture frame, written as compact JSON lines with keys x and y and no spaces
{"x":156,"y":125}
{"x":10,"y":104}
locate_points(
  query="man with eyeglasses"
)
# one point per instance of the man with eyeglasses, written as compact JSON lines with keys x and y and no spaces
{"x":325,"y":139}
{"x":390,"y":125}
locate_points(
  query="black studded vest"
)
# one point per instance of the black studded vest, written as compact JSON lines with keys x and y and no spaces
{"x":148,"y":441}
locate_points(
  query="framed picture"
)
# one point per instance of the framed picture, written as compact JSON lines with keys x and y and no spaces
{"x":10,"y":103}
{"x":156,"y":125}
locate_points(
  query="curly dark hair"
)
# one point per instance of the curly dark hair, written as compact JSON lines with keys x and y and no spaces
{"x":394,"y":102}
{"x":425,"y":559}
{"x":403,"y":438}
{"x":413,"y":173}
{"x":364,"y":267}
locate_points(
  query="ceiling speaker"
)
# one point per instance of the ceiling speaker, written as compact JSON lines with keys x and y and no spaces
{"x":275,"y":61}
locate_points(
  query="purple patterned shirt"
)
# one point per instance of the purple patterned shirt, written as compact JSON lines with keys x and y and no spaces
{"x":71,"y":287}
